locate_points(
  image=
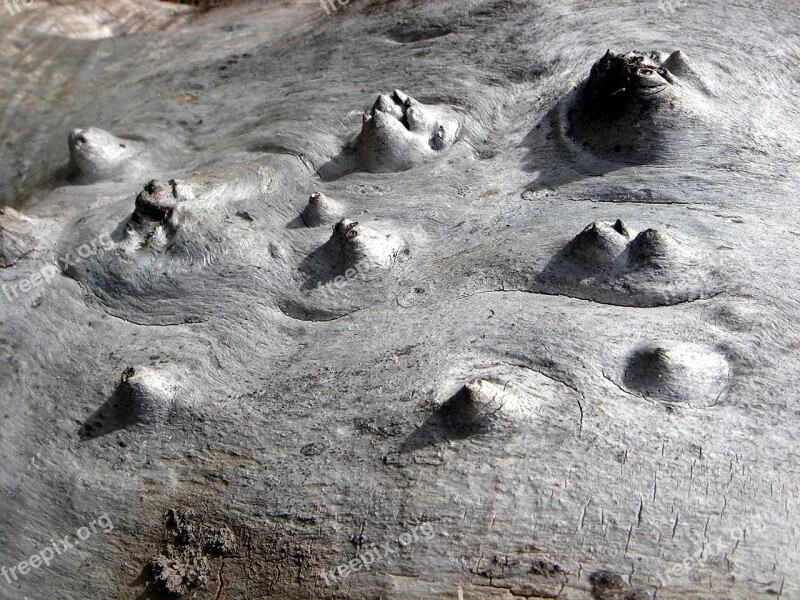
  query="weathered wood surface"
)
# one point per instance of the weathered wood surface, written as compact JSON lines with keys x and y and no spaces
{"x":236,"y":395}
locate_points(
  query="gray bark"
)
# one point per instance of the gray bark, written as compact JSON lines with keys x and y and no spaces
{"x":531,"y":332}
